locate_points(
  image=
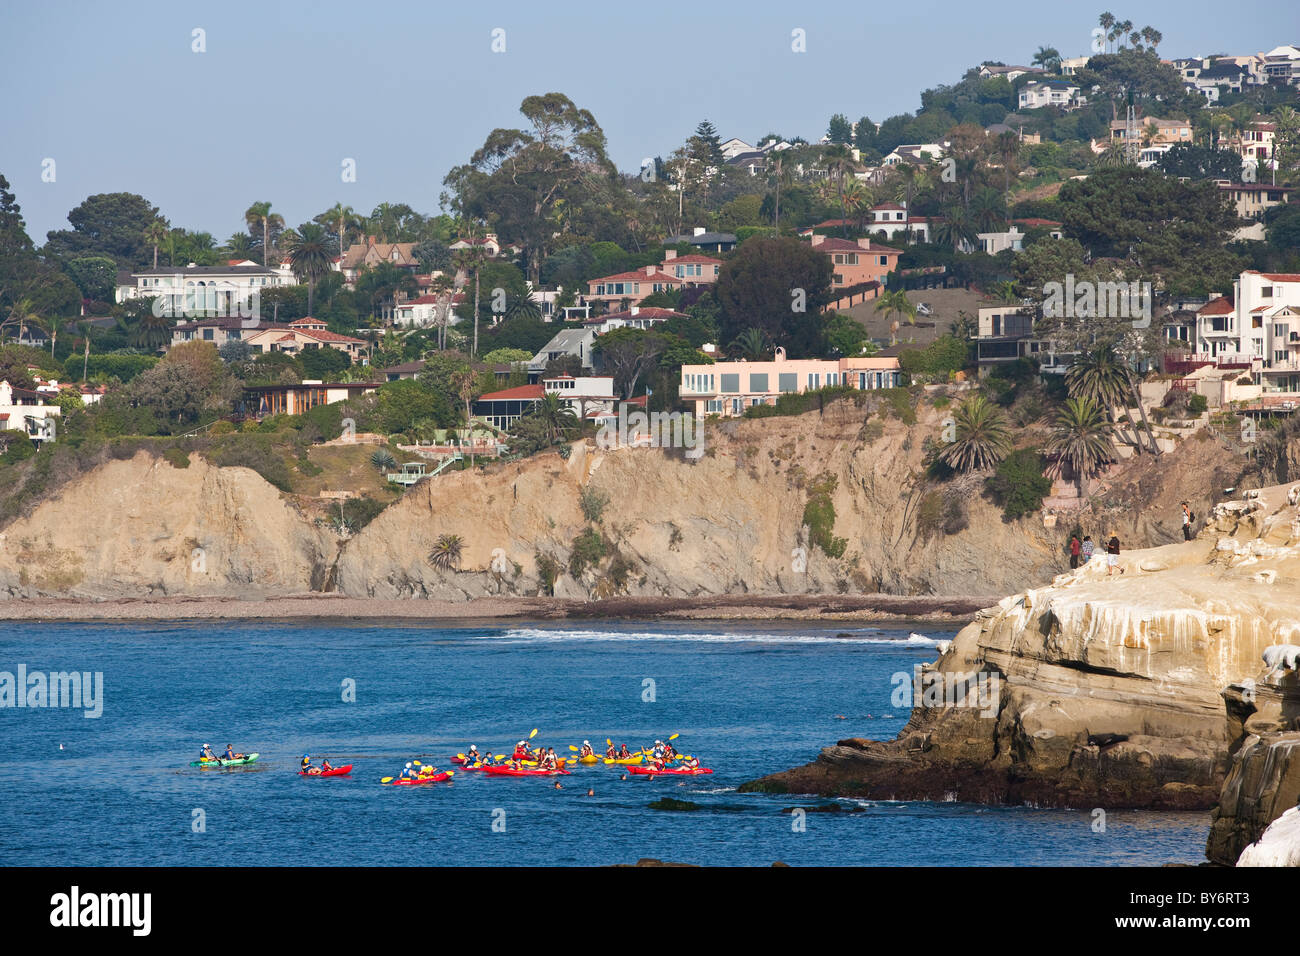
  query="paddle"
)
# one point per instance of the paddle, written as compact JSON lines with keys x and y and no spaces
{"x":386,"y":780}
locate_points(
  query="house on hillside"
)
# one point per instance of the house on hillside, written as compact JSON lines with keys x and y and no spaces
{"x":221,"y":331}
{"x":25,"y":410}
{"x":1039,"y":93}
{"x":198,"y":291}
{"x":576,"y":342}
{"x":629,"y":288}
{"x":1255,"y":330}
{"x":263,"y":400}
{"x":1152,"y":129}
{"x":1251,"y":199}
{"x":1009,"y":73}
{"x":633,"y":318}
{"x":305,"y":334}
{"x":701,"y":238}
{"x":693,"y":269}
{"x":369,"y":254}
{"x":855,"y":262}
{"x":728,"y":388}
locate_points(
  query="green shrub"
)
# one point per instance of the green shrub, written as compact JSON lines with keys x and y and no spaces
{"x":359,"y":512}
{"x":937,"y":361}
{"x":899,"y":401}
{"x":176,"y":457}
{"x":17,"y":446}
{"x":255,"y":451}
{"x":1018,"y":484}
{"x":593,"y":503}
{"x":819,"y":516}
{"x":588,"y":548}
{"x":1197,"y":404}
{"x":548,"y":571}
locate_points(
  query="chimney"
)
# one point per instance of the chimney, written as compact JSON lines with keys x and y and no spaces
{"x":650,"y":270}
{"x":864,"y":243}
{"x":817,"y":239}
{"x":670,"y":254}
{"x":636,"y":309}
{"x":370,"y":240}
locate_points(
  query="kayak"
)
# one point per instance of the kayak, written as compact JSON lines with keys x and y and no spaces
{"x":590,"y":758}
{"x":222,"y":762}
{"x":625,"y":761}
{"x":668,"y":771}
{"x":459,"y":760}
{"x":509,"y":772}
{"x":332,"y":772}
{"x":430,"y":778}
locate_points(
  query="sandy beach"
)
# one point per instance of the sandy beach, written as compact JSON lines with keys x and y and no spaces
{"x":857,"y":607}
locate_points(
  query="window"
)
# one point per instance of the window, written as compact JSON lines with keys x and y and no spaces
{"x":1266,"y":292}
{"x":731,"y":382}
{"x":787,"y":382}
{"x":814,"y":381}
{"x":714,"y":405}
{"x":758,"y":381}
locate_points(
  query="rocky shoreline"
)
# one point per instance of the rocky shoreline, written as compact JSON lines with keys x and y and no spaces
{"x":1143,"y":689}
{"x":876,"y":608}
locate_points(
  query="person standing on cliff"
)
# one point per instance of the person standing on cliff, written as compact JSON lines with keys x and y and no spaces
{"x":1074,"y":551}
{"x":1188,"y":518}
{"x":1088,"y":548}
{"x":1112,"y":554}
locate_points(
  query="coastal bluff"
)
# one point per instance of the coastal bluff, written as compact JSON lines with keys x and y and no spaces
{"x":1101,"y":690}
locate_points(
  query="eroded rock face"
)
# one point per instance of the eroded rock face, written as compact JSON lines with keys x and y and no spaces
{"x":1110,"y":683}
{"x":141,"y":527}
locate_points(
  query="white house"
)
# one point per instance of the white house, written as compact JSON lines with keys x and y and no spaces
{"x":565,"y":342}
{"x":26,"y":411}
{"x":195,"y":290}
{"x":1257,"y":329}
{"x":1282,"y":65}
{"x":1036,"y":94}
{"x":995,"y":242}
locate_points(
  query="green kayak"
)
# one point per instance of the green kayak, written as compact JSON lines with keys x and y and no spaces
{"x":219,"y":762}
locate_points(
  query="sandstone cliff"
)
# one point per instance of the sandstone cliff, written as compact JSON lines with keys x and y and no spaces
{"x":731,"y":522}
{"x":1107,"y":686}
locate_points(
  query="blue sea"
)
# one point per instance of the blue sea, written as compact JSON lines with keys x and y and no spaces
{"x":748,"y":698}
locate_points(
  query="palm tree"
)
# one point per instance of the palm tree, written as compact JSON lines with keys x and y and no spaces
{"x":981,"y":439}
{"x":840,"y":165}
{"x":343,"y":216}
{"x":856,"y":199}
{"x":463,"y":382}
{"x":446,"y":552}
{"x":1007,"y":147}
{"x":556,"y":417}
{"x":1099,"y":376}
{"x":310,"y":258}
{"x":472,"y":259}
{"x":956,"y":228}
{"x":259,"y":214}
{"x":987,"y":210}
{"x":155,"y":234}
{"x":1106,"y":21}
{"x":896,"y":302}
{"x":1048,"y":58}
{"x":1006,"y":292}
{"x":22,"y":314}
{"x":780,"y":176}
{"x":1080,"y":439}
{"x":751,"y":344}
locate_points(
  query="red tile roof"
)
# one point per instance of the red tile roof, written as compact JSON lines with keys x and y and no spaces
{"x":831,"y":244}
{"x":1282,"y":276}
{"x":520,"y":392}
{"x":639,"y":275}
{"x":692,"y":258}
{"x":1220,"y":306}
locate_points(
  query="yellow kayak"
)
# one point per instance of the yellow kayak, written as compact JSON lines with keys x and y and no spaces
{"x":625,"y":760}
{"x":590,"y":758}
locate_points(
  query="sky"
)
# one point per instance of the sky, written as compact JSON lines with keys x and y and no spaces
{"x":284,"y":92}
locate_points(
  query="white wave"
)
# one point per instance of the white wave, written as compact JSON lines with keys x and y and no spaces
{"x":535,"y":634}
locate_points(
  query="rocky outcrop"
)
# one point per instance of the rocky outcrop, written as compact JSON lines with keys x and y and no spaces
{"x":1263,"y":782}
{"x":1099,"y":690}
{"x":142,"y":527}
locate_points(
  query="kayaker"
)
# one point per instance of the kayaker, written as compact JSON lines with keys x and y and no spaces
{"x":585,"y":750}
{"x":521,"y":751}
{"x":472,"y":756}
{"x":611,"y":752}
{"x":408,"y":773}
{"x":305,"y":767}
{"x":548,"y":760}
{"x":657,"y":752}
{"x":325,"y":765}
{"x":231,"y":755}
{"x":624,"y":753}
{"x":690,"y":763}
{"x":669,"y":751}
{"x":487,"y":759}
{"x":206,"y":753}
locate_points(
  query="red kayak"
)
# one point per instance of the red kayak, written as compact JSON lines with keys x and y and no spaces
{"x":332,"y":772}
{"x":668,"y":771}
{"x":432,"y":778}
{"x":526,"y":772}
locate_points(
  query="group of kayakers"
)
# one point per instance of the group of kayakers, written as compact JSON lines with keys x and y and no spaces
{"x":412,"y":772}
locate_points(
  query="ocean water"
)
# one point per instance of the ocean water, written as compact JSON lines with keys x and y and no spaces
{"x":748,"y":698}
